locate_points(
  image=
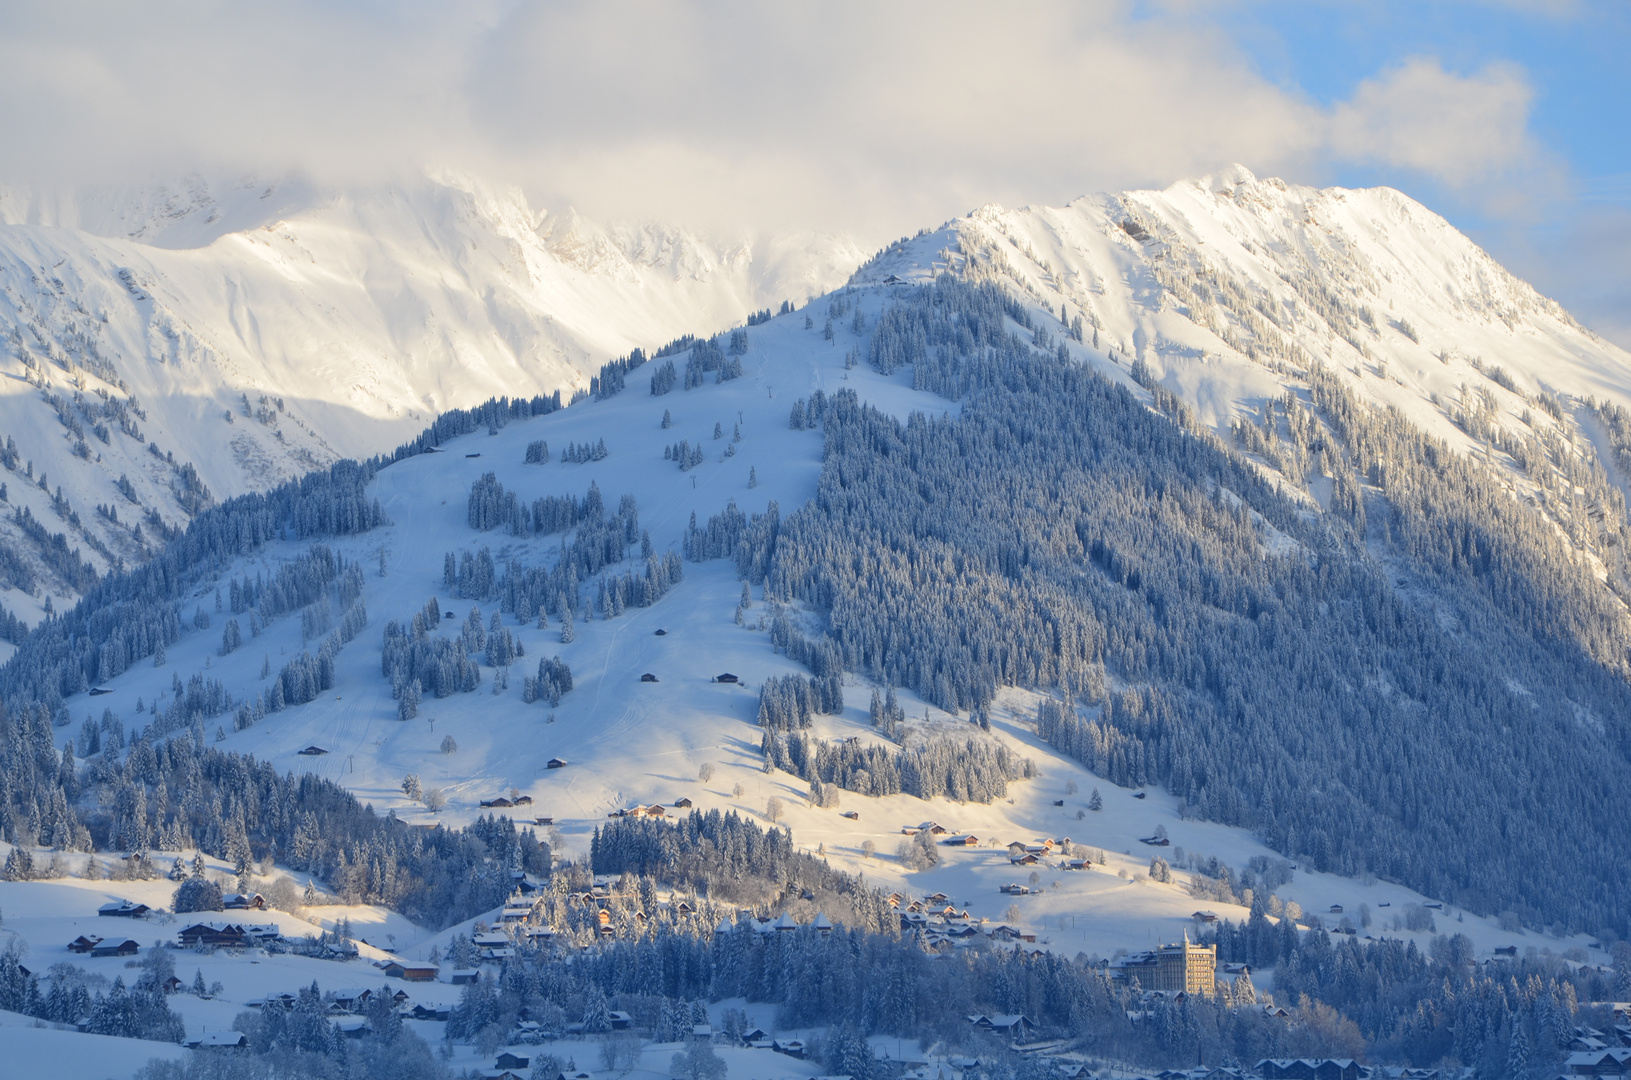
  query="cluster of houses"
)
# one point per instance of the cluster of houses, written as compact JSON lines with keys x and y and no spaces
{"x":1606,"y":1062}
{"x":511,"y":1066}
{"x":1020,"y":852}
{"x":1594,"y":1053}
{"x":945,"y":927}
{"x":210,"y":934}
{"x":91,"y":945}
{"x":345,"y":1008}
{"x":655,"y":810}
{"x":502,"y":803}
{"x":226,"y":935}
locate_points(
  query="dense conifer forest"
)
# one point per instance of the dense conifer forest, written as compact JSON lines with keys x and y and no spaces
{"x":1334,"y":681}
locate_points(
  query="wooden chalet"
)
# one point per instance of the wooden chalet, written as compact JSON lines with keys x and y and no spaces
{"x":311,"y":751}
{"x":555,"y":763}
{"x":726,"y":677}
{"x":1015,"y":1026}
{"x":83,"y":945}
{"x":1615,"y":1062}
{"x":208,"y":934}
{"x":244,"y":902}
{"x":117,"y":948}
{"x":123,"y":909}
{"x":401,"y":969}
{"x":219,"y":1040}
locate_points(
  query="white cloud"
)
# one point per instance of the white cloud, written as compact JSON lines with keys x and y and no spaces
{"x":871,"y":118}
{"x":1457,"y":129}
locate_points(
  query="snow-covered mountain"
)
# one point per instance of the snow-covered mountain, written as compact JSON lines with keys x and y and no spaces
{"x":1445,"y":726}
{"x":255,"y":330}
{"x":1228,"y":284}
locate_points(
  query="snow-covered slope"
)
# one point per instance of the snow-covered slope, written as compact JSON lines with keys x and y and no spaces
{"x":256,"y":330}
{"x":1228,"y":287}
{"x":629,"y":741}
{"x":1314,"y":260}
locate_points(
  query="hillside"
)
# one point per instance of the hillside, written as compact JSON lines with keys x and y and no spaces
{"x":206,"y":339}
{"x":1227,"y":563}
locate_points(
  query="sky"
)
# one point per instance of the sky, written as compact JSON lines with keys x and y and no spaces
{"x":1509,"y":117}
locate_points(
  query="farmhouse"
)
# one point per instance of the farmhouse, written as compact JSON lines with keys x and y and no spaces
{"x":1612,"y":1062}
{"x":401,"y":969}
{"x":219,"y":1040}
{"x":227,"y":936}
{"x":123,"y":909}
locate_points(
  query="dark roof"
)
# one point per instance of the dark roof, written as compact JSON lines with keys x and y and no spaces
{"x":313,"y":751}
